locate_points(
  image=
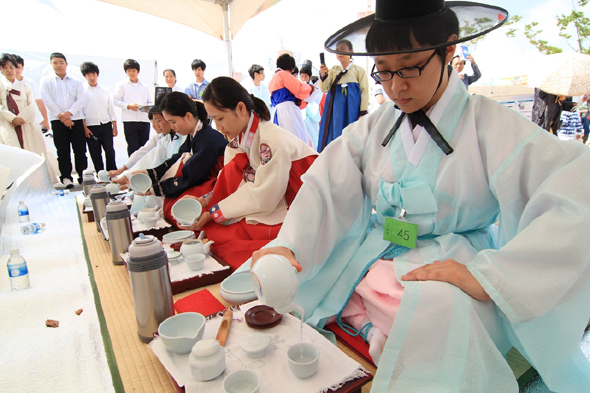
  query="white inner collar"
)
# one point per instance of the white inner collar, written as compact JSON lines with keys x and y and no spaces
{"x":415,"y":141}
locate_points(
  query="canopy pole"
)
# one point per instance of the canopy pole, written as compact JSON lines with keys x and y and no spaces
{"x":227,"y":36}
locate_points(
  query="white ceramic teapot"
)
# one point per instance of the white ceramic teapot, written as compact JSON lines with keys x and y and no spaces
{"x":148,"y":217}
{"x":195,"y":246}
{"x":275,"y":283}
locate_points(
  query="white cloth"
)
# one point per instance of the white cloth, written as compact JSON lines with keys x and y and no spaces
{"x":98,"y":106}
{"x":32,"y":136}
{"x":36,"y":358}
{"x":63,"y":95}
{"x":273,"y":367}
{"x":127,"y":93}
{"x":502,"y":164}
{"x":142,"y":151}
{"x":180,"y":271}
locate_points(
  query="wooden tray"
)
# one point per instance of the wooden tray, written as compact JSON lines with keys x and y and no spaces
{"x":203,"y":280}
{"x":89,"y":213}
{"x":353,"y":386}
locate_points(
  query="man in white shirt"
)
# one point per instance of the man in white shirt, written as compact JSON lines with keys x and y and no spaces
{"x":64,"y":98}
{"x":195,"y":89}
{"x":100,"y":124}
{"x":130,"y":95}
{"x":36,"y":91}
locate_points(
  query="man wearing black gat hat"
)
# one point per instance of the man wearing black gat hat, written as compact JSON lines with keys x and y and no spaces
{"x":437,"y":289}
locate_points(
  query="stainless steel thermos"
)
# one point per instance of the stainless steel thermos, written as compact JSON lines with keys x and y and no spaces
{"x":88,"y":181}
{"x":150,"y":285}
{"x":99,"y":199}
{"x":119,"y":227}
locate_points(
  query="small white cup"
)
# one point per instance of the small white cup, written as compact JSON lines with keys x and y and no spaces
{"x":242,"y":381}
{"x":304,"y":359}
{"x":150,"y":222}
{"x":195,"y":261}
{"x":103,"y":175}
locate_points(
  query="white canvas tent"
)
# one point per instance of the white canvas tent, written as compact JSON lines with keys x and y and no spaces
{"x":220,"y":18}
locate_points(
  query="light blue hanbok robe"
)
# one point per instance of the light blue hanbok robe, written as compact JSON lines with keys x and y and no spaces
{"x":534,"y":265}
{"x":165,"y":149}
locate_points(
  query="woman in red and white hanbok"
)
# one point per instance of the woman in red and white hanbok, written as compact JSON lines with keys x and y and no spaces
{"x":262,"y":172}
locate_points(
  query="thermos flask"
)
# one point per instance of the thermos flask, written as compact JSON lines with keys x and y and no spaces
{"x":150,"y":285}
{"x":119,"y":228}
{"x":99,"y":199}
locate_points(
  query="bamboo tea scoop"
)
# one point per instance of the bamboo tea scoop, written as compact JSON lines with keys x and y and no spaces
{"x":224,"y":327}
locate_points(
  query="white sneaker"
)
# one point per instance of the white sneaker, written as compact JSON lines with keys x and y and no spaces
{"x":68,"y":183}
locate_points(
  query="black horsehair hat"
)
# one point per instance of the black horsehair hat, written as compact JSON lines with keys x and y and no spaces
{"x":474,"y":19}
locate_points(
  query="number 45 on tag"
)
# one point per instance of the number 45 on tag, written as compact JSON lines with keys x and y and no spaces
{"x":400,"y":232}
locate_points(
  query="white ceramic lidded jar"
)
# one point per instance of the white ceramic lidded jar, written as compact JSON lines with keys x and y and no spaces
{"x":207,"y":360}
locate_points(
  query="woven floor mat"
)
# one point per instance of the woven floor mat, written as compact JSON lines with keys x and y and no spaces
{"x":139,"y":368}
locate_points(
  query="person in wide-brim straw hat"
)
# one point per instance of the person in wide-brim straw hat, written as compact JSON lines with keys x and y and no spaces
{"x":440,"y":312}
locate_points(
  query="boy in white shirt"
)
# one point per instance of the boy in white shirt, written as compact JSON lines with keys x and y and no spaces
{"x":64,"y":98}
{"x":130,"y":95}
{"x":100,"y":124}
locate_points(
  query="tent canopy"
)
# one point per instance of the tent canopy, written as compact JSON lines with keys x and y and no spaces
{"x":203,"y":15}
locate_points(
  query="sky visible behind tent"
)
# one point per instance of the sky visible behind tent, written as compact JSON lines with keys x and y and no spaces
{"x":89,"y":27}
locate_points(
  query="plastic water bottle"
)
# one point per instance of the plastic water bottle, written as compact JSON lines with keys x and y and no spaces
{"x":17,"y":270}
{"x":32,"y":228}
{"x":23,"y":212}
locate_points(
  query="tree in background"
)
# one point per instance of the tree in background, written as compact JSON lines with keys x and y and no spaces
{"x":576,"y":19}
{"x":581,"y":25}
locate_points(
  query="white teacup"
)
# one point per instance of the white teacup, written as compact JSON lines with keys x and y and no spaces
{"x":140,"y":182}
{"x":195,"y":261}
{"x":242,"y":381}
{"x":304,"y":359}
{"x":103,"y":175}
{"x":150,"y":222}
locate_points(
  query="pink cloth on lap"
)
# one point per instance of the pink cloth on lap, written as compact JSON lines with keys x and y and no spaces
{"x":377,"y":297}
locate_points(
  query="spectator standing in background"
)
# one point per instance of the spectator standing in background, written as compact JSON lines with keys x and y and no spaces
{"x":459,"y":64}
{"x":571,"y":128}
{"x":196,"y":88}
{"x":64,"y":98}
{"x":130,"y":94}
{"x":36,"y":91}
{"x":100,"y":120}
{"x":312,"y":114}
{"x":18,"y":115}
{"x":347,"y":98}
{"x":170,"y":79}
{"x":287,"y":95}
{"x":255,"y":85}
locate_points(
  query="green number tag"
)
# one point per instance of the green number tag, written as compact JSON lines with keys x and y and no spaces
{"x":400,"y":232}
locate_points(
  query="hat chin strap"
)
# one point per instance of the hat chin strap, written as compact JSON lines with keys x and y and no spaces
{"x":419,"y":117}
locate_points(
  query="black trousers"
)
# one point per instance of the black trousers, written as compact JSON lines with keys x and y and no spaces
{"x":137,"y":134}
{"x":63,"y":138}
{"x":102,"y":139}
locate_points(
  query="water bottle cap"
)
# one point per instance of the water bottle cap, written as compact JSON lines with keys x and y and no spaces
{"x":21,"y":202}
{"x":14,"y":252}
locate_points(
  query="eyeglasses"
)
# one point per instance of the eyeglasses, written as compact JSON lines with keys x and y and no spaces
{"x":408,"y":72}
